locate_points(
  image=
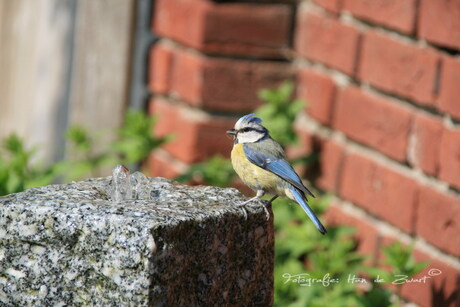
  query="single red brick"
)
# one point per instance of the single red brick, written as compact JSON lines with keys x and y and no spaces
{"x":439,"y":22}
{"x":450,"y":91}
{"x":426,"y":141}
{"x":396,"y":67}
{"x":160,"y":68}
{"x":181,"y":20}
{"x":171,"y":122}
{"x":222,"y":84}
{"x":332,"y":6}
{"x":248,"y":29}
{"x":366,"y":234}
{"x":381,"y":191}
{"x":449,"y":157}
{"x":232,"y":85}
{"x":318,"y":90}
{"x":373,"y":121}
{"x":197,"y":135}
{"x":226,"y":28}
{"x":160,"y":167}
{"x":394,"y":14}
{"x":441,"y":286}
{"x":438,"y":220}
{"x":330,"y":162}
{"x":324,"y":39}
{"x":187,"y":77}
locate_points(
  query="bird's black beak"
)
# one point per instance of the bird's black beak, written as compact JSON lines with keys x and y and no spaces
{"x":231,"y":131}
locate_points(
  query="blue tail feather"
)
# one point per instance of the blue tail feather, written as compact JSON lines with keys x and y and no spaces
{"x":300,"y":199}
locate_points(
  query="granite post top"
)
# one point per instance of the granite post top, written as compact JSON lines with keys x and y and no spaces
{"x":162,"y":200}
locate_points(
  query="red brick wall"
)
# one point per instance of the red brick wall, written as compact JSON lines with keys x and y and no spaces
{"x":382,"y":81}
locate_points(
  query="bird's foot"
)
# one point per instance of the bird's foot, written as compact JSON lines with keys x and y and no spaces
{"x":250,"y":200}
{"x":266,"y":205}
{"x":246,"y":202}
{"x":245,"y":214}
{"x":243,"y":209}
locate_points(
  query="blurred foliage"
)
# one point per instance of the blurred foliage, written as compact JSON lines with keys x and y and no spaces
{"x":136,"y":139}
{"x":134,"y":142}
{"x":401,"y":266}
{"x":342,"y":276}
{"x":216,"y":171}
{"x":330,"y":258}
{"x":400,"y":261}
{"x":279,"y":112}
{"x":300,"y":250}
{"x":16,"y":170}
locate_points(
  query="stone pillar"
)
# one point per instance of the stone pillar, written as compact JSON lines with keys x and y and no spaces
{"x":177,"y":246}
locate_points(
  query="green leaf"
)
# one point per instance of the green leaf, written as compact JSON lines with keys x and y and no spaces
{"x":80,"y":138}
{"x":136,"y":138}
{"x":279,"y":112}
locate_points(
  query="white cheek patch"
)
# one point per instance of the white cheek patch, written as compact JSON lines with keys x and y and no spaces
{"x":249,"y":137}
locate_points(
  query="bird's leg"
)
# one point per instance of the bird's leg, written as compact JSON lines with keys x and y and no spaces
{"x":265,"y":203}
{"x":268,"y":204}
{"x":259,"y":194}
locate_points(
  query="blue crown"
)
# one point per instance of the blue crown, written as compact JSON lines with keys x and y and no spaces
{"x":248,"y":119}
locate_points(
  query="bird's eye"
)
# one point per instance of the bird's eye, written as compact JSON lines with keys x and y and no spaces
{"x":247,"y":129}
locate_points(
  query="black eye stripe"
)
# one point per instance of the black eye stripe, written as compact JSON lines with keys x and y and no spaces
{"x":248,"y":129}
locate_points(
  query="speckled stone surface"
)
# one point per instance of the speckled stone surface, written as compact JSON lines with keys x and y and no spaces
{"x":68,"y":245}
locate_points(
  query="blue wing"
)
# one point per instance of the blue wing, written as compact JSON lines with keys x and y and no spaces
{"x":278,"y":166}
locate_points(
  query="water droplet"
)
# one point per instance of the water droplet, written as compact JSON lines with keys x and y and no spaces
{"x":139,"y":185}
{"x":121,"y":186}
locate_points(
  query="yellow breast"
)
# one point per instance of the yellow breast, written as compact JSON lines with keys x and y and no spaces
{"x":255,"y":177}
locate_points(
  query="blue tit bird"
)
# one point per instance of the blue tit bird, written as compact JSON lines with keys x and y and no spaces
{"x":261,"y":164}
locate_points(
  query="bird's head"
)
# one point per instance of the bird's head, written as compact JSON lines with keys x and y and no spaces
{"x":248,"y":129}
